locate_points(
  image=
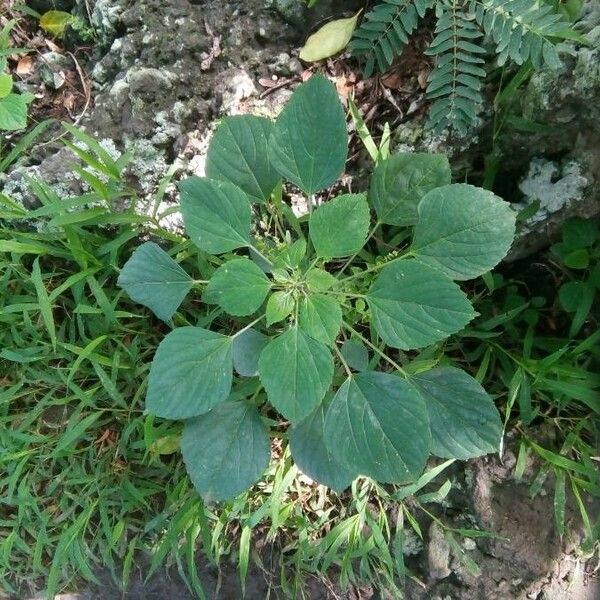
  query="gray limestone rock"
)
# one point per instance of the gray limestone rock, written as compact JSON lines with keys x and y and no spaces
{"x":438,"y":553}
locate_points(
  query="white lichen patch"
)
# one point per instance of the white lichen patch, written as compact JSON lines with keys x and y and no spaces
{"x":553,"y":185}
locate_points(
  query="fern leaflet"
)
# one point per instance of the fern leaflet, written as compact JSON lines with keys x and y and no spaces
{"x":385,"y":30}
{"x":456,"y":80}
{"x":521,"y":30}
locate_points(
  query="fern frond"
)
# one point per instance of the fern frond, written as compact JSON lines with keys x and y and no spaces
{"x":456,"y":80}
{"x":385,"y":30}
{"x":521,"y":30}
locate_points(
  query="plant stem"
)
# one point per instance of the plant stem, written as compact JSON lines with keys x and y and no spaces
{"x":377,"y":267}
{"x":273,"y":211}
{"x":247,"y":326}
{"x":347,"y":263}
{"x":255,"y":249}
{"x":334,"y":292}
{"x":376,"y":349}
{"x":344,"y":363}
{"x":313,"y":263}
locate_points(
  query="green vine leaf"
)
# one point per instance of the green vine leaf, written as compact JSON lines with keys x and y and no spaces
{"x":464,"y":420}
{"x":247,"y":347}
{"x":216,"y":214}
{"x":6,"y":85}
{"x":355,"y":353}
{"x":330,"y":39}
{"x":55,"y":22}
{"x":321,"y":317}
{"x":319,"y":280}
{"x":339,"y":227}
{"x":309,"y":144}
{"x":13,"y":111}
{"x":191,"y":372}
{"x":414,"y":305}
{"x":296,"y":371}
{"x":463,"y":230}
{"x":279,"y":306}
{"x":310,"y":453}
{"x":152,"y":278}
{"x":377,"y":425}
{"x":291,"y":256}
{"x":238,"y":153}
{"x":238,"y":286}
{"x":399,"y":183}
{"x":226,"y":450}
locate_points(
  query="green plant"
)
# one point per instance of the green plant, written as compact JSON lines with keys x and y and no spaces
{"x":88,"y":481}
{"x":522,"y":31}
{"x":13,"y":106}
{"x":290,"y":314}
{"x":57,"y":23}
{"x":579,"y":252}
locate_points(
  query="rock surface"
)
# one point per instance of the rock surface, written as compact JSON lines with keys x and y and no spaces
{"x":566,"y":102}
{"x":563,"y":106}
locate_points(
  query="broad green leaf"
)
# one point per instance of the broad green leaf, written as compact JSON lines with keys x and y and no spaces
{"x":309,"y":144}
{"x":321,"y":317}
{"x":570,"y":295}
{"x":247,"y":347}
{"x":238,"y":286}
{"x":168,"y":444}
{"x":463,"y":230}
{"x":191,"y":372}
{"x":226,"y":450}
{"x":238,"y":153}
{"x":296,"y":371}
{"x":328,"y":40}
{"x":577,"y":259}
{"x":307,"y":444}
{"x":339,"y":227}
{"x":55,"y":22}
{"x":464,"y":420}
{"x":377,"y":425}
{"x":279,"y":306}
{"x":355,"y":353}
{"x":6,"y":84}
{"x":580,"y":233}
{"x":399,"y":183}
{"x":152,"y":278}
{"x":414,"y":305}
{"x":216,"y":214}
{"x":13,"y":111}
{"x":319,"y":280}
{"x":291,"y":256}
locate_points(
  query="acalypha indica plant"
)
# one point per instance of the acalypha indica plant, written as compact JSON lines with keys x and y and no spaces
{"x":310,"y":335}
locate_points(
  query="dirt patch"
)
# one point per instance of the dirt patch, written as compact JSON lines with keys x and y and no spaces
{"x":524,"y":560}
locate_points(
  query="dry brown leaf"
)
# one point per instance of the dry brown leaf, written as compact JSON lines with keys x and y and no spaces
{"x":53,"y":47}
{"x":68,"y":101}
{"x":24,"y":66}
{"x":344,"y":87}
{"x":392,"y":80}
{"x":267,"y":83}
{"x":422,"y":79}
